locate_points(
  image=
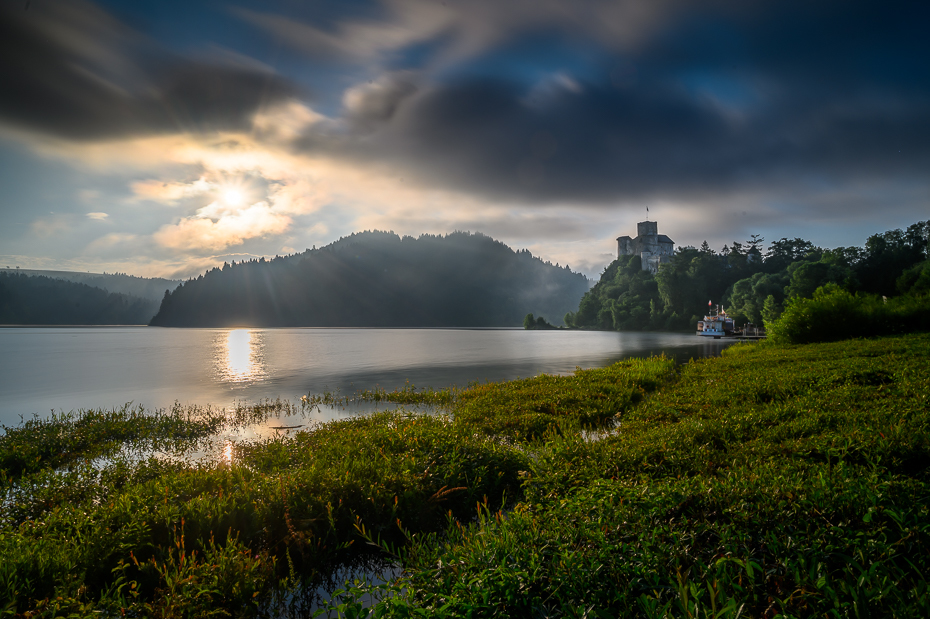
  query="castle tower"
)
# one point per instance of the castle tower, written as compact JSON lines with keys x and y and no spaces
{"x":647,"y":228}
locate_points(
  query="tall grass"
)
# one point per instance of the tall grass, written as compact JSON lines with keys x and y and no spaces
{"x":297,"y":504}
{"x":776,"y":480}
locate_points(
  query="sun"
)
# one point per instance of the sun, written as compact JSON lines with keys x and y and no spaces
{"x":232,"y":197}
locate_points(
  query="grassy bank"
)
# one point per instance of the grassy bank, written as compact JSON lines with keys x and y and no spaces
{"x":775,"y":480}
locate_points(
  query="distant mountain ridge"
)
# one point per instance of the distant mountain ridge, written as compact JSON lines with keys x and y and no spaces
{"x":40,"y":300}
{"x":152,"y":288}
{"x":379,"y":279}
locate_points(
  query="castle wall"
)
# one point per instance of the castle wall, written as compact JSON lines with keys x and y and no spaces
{"x":651,"y":262}
{"x":649,"y":244}
{"x":625,"y":246}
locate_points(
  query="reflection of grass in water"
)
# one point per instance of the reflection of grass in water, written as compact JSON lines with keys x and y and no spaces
{"x":773,"y":480}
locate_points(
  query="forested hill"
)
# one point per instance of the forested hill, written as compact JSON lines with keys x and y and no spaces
{"x":753,"y":284}
{"x":152,"y":288}
{"x":38,"y":300}
{"x":378,"y":279}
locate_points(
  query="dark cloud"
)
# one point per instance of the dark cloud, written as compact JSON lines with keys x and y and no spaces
{"x":72,"y":70}
{"x":372,"y":106}
{"x":531,"y":100}
{"x":782,"y":94}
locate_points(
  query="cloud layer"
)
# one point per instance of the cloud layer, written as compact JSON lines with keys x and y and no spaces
{"x":730,"y":100}
{"x":71,"y":70}
{"x":546,"y":123}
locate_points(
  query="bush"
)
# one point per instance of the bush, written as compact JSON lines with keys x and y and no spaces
{"x":915,"y":280}
{"x":836,"y":314}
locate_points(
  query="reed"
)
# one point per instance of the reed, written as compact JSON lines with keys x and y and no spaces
{"x":777,"y":480}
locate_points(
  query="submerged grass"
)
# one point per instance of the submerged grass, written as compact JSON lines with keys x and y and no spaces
{"x":774,"y":481}
{"x":66,"y":438}
{"x":408,"y":395}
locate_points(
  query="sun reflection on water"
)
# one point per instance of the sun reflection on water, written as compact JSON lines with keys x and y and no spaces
{"x":228,"y":454}
{"x":240,"y":357}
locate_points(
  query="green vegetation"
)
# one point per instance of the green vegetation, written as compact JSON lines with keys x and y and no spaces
{"x":777,"y":480}
{"x":37,"y":300}
{"x":66,"y":438}
{"x":532,"y":323}
{"x":378,"y":279}
{"x":836,"y":314}
{"x":785,"y":481}
{"x":752,"y":286}
{"x":409,"y":394}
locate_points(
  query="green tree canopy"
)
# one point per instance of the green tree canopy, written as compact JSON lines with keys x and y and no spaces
{"x":752,"y":285}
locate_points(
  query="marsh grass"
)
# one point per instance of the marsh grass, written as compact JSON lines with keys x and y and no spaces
{"x":407,"y":395}
{"x":525,"y":410}
{"x":298,"y":504}
{"x":63,"y":439}
{"x":775,"y":481}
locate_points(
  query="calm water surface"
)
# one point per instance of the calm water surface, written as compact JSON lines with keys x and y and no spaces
{"x":55,"y":369}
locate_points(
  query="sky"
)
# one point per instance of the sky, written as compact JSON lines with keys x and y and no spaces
{"x":164,"y":138}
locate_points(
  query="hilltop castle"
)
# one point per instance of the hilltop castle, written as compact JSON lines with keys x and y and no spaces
{"x":653,"y":248}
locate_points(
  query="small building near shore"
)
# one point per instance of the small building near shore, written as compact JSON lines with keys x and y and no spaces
{"x":652,"y":248}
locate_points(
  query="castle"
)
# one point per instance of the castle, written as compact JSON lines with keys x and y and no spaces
{"x":653,"y":248}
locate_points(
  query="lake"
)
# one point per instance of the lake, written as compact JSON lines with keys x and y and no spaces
{"x":71,"y":368}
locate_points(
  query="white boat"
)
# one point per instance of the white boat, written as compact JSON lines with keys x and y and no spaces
{"x":716,"y":325}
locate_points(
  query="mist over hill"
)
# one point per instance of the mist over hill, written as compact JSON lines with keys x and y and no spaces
{"x":39,"y":300}
{"x":379,"y":279}
{"x":151,"y":288}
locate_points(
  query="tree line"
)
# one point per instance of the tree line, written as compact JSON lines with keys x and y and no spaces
{"x":40,"y":300}
{"x":151,"y":288}
{"x":753,"y":283}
